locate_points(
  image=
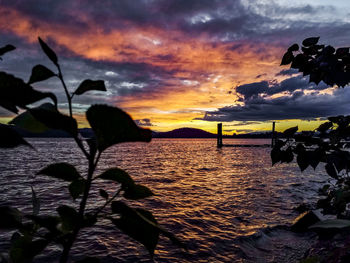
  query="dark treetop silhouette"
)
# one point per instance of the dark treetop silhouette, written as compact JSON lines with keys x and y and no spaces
{"x":33,"y":232}
{"x":328,"y":144}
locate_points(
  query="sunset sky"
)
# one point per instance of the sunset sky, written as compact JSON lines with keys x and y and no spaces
{"x":181,"y":63}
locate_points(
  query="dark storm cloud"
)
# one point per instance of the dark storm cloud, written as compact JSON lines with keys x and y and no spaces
{"x":227,"y":19}
{"x":296,"y":106}
{"x":20,"y":62}
{"x":242,"y":123}
{"x":287,"y":72}
{"x":234,"y":23}
{"x":252,"y":90}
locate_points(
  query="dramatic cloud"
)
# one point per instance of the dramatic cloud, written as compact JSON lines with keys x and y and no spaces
{"x":296,"y":105}
{"x":287,"y":72}
{"x":253,"y":90}
{"x":171,"y":60}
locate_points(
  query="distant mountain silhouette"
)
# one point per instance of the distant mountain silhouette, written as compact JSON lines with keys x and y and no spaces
{"x":184,"y":133}
{"x":177,"y":133}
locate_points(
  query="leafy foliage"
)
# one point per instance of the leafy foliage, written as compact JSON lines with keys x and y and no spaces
{"x":89,"y":84}
{"x":40,"y":73}
{"x":9,"y":138}
{"x":138,"y":223}
{"x":6,"y":49}
{"x":328,"y":144}
{"x":62,"y":171}
{"x":320,"y":62}
{"x":48,"y":51}
{"x":15,"y":93}
{"x":112,"y":125}
{"x":27,"y":121}
{"x":34,"y":232}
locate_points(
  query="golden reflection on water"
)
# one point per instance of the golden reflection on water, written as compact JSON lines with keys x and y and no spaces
{"x":208,"y":197}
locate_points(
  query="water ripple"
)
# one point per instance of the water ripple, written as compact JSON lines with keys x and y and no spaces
{"x":225,"y":203}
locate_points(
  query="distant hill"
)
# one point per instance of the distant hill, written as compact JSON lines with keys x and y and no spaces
{"x":184,"y":133}
{"x":177,"y":133}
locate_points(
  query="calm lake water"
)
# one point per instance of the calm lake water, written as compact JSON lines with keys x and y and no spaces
{"x":228,"y":205}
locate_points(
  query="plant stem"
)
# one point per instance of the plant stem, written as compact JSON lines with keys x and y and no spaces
{"x":69,"y":101}
{"x":67,"y":247}
{"x":110,"y":200}
{"x":92,"y":165}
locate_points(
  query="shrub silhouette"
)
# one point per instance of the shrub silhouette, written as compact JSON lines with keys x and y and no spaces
{"x":33,"y":232}
{"x":327,"y":144}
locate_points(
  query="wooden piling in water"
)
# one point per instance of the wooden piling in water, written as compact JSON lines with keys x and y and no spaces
{"x":220,"y":144}
{"x":219,"y":136}
{"x":273,"y":135}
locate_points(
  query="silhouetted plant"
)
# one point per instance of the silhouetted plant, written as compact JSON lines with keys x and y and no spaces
{"x":320,"y":62}
{"x":34,"y":232}
{"x":329,"y":143}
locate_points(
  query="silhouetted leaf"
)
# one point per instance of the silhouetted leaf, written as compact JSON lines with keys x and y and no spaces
{"x":40,"y":73}
{"x":62,"y":171}
{"x":315,"y":157}
{"x":103,"y":194}
{"x":331,"y":170}
{"x":9,"y":138}
{"x":302,"y":160}
{"x":131,"y":190}
{"x":287,"y":58}
{"x":290,"y":132}
{"x":315,"y":77}
{"x":6,"y":49}
{"x":23,"y":249}
{"x":300,"y":148}
{"x":77,"y":187}
{"x":27,"y":122}
{"x":310,"y":41}
{"x":275,"y":155}
{"x":112,"y":125}
{"x":15,"y":93}
{"x":336,"y":119}
{"x":35,"y":203}
{"x":294,"y":47}
{"x":145,"y":225}
{"x":328,"y":50}
{"x":139,"y":224}
{"x":339,"y":159}
{"x":89,"y":84}
{"x":324,"y":126}
{"x":48,"y":222}
{"x":287,"y":156}
{"x":299,"y":62}
{"x":48,"y":51}
{"x":279,"y":144}
{"x":119,"y":176}
{"x":90,"y":219}
{"x":341,"y":52}
{"x":69,"y":217}
{"x":53,"y":119}
{"x":137,"y":192}
{"x":10,"y":218}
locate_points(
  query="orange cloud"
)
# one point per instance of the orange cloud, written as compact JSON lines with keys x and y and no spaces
{"x":205,"y":73}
